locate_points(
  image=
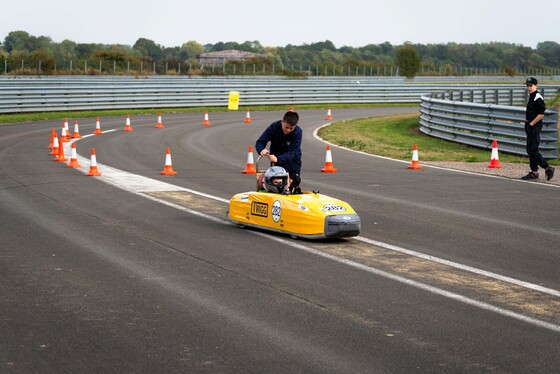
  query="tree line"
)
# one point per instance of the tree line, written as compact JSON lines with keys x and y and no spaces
{"x":22,"y":53}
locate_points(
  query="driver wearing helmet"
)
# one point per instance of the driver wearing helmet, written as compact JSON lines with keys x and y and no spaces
{"x":275,"y":180}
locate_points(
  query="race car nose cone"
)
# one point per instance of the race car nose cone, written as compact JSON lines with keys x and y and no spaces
{"x":342,"y":225}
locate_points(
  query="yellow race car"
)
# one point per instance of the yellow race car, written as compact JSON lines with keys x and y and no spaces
{"x":307,"y":215}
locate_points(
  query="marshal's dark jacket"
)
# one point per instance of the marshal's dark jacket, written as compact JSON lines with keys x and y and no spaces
{"x":535,"y":106}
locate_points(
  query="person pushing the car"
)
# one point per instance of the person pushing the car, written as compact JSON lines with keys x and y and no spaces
{"x":285,"y":147}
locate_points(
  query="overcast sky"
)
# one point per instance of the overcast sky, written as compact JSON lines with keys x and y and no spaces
{"x":356,"y":23}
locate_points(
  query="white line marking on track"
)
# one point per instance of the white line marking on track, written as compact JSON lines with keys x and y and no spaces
{"x":138,"y":184}
{"x":426,"y":287}
{"x":456,"y":265}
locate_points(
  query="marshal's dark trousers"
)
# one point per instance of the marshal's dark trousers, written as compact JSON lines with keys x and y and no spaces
{"x":533,"y":142}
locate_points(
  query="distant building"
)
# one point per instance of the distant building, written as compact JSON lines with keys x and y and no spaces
{"x":219,"y":57}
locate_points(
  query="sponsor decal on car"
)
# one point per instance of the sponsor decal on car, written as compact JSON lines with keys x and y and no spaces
{"x":333,"y":208}
{"x":259,"y":209}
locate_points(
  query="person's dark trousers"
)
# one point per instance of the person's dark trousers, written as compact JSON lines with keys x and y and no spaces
{"x":533,"y":142}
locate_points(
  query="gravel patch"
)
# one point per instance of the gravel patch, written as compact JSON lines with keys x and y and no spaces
{"x":511,"y":171}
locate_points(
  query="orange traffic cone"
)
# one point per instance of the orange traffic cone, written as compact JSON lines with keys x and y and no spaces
{"x":54,"y":151}
{"x":329,"y":117}
{"x":415,"y":165}
{"x":168,"y":169}
{"x":93,"y":171}
{"x":60,"y":154}
{"x":97,"y":127}
{"x":74,"y":158}
{"x":291,"y":108}
{"x":328,"y":162}
{"x":206,"y":122}
{"x":159,"y":123}
{"x":76,"y":130}
{"x":64,"y":135}
{"x":250,"y":169}
{"x":248,"y":117}
{"x":494,"y":160}
{"x":53,"y":135}
{"x":127,"y":126}
{"x":68,"y":134}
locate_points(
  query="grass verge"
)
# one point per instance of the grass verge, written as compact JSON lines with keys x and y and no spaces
{"x":394,"y":137}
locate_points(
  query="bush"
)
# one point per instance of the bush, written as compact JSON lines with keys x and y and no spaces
{"x":408,"y":60}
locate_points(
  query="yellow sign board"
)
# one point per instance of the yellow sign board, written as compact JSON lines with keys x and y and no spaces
{"x":233,"y":103}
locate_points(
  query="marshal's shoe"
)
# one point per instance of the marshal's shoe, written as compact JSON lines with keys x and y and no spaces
{"x":530,"y":176}
{"x":549,"y":171}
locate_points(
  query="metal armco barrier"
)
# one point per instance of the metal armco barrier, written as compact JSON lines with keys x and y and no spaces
{"x":478,"y":125}
{"x":66,"y":93}
{"x":464,"y":113}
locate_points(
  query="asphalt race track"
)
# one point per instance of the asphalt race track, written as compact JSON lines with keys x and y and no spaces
{"x":135,"y":272}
